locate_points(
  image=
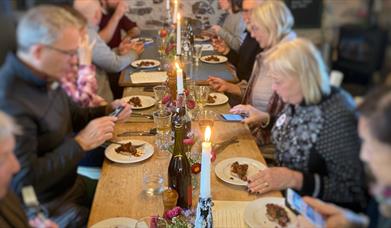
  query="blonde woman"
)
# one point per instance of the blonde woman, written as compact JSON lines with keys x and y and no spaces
{"x":317,"y":145}
{"x":271,"y":24}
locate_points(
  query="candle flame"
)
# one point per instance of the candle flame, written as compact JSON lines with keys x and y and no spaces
{"x":207,"y":134}
{"x":177,"y":66}
{"x":179,"y":16}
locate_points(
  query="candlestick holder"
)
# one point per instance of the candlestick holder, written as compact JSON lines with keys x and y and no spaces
{"x":204,"y":217}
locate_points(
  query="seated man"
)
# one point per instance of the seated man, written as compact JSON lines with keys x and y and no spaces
{"x":106,"y":59}
{"x":114,"y":21}
{"x":113,"y":24}
{"x":11,"y":212}
{"x":48,"y":151}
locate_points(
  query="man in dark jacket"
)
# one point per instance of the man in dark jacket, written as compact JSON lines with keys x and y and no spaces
{"x":48,"y":150}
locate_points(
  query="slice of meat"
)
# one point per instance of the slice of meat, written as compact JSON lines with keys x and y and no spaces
{"x":278,"y":214}
{"x":240,"y":170}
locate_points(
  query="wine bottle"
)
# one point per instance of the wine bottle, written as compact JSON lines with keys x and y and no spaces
{"x":179,"y":172}
{"x":181,"y":116}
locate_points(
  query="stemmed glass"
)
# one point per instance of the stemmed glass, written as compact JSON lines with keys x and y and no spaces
{"x":160,"y":91}
{"x":197,"y":53}
{"x":201,"y":94}
{"x":162,"y":120}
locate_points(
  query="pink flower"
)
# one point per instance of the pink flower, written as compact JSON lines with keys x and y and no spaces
{"x":191,"y":104}
{"x":166,"y":99}
{"x":188,"y":141}
{"x":173,"y":213}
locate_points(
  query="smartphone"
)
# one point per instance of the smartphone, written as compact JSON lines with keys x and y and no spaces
{"x":117,"y":111}
{"x":297,"y":204}
{"x":232,"y":117}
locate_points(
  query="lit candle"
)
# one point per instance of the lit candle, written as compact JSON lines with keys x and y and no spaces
{"x":205,"y":165}
{"x":179,"y":79}
{"x":175,"y":10}
{"x":168,"y":6}
{"x":178,"y":36}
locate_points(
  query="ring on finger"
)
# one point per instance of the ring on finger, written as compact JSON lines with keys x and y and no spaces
{"x":266,"y":184}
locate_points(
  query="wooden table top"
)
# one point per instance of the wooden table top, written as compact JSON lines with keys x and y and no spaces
{"x":119,"y":191}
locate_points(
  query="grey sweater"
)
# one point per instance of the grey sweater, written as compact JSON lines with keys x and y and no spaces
{"x":233,"y":30}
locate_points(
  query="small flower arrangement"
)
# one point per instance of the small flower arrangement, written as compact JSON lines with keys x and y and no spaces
{"x":175,"y":218}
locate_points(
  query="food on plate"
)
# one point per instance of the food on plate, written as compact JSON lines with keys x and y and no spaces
{"x":145,"y":63}
{"x":200,"y":37}
{"x":129,"y":150}
{"x":212,"y":58}
{"x":278,"y":214}
{"x":212,"y":99}
{"x":239,"y":170}
{"x":135,"y":101}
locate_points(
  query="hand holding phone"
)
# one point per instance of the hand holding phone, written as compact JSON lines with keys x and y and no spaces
{"x":117,"y":111}
{"x":297,"y":204}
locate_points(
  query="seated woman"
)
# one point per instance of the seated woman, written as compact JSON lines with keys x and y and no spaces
{"x":375,"y":132}
{"x":233,"y":29}
{"x":271,"y":24}
{"x":317,"y":145}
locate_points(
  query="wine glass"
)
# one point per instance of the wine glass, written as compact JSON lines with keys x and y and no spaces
{"x":160,"y":91}
{"x":162,"y":120}
{"x":205,"y":118}
{"x":197,"y":53}
{"x":201,"y":94}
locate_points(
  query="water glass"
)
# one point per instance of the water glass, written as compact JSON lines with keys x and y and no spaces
{"x":197,"y":53}
{"x":152,"y":179}
{"x":162,"y":120}
{"x":201,"y":95}
{"x":160,"y":91}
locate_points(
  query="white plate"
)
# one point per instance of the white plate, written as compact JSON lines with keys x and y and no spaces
{"x":120,"y":222}
{"x":222,"y":59}
{"x":116,"y":157}
{"x":146,"y":40}
{"x":201,"y":38}
{"x":146,"y":101}
{"x":255,"y":213}
{"x":220,"y":99}
{"x":135,"y":63}
{"x":223,"y":169}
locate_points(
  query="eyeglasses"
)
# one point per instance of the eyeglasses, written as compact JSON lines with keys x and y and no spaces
{"x":70,"y":53}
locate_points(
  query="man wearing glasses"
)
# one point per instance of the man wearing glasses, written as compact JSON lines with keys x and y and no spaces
{"x":48,"y":151}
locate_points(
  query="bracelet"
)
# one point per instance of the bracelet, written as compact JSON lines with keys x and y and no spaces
{"x":265,"y":122}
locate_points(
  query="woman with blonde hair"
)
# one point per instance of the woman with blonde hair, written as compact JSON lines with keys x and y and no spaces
{"x":271,"y":24}
{"x":317,"y":145}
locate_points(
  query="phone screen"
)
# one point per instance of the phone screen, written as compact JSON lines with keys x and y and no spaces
{"x":117,"y":111}
{"x":232,"y":117}
{"x":296,"y":203}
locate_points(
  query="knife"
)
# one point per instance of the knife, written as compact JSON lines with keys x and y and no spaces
{"x":151,"y":132}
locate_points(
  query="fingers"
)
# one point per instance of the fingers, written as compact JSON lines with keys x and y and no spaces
{"x":238,"y":109}
{"x":322,"y":207}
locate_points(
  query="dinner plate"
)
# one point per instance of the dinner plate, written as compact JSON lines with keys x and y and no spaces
{"x":255,"y":213}
{"x":146,"y":101}
{"x":219,"y":99}
{"x":201,"y":38}
{"x":221,"y":59}
{"x":223,"y":169}
{"x":152,"y":63}
{"x":146,"y":40}
{"x":120,"y":222}
{"x":147,"y":150}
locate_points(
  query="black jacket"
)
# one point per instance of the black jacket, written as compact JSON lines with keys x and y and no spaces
{"x":244,"y":60}
{"x":47,"y":151}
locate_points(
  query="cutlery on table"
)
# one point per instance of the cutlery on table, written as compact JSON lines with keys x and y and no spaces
{"x":151,"y":132}
{"x":140,"y":114}
{"x":107,"y":143}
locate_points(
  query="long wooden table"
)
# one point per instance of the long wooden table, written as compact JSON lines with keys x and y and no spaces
{"x":119,"y":191}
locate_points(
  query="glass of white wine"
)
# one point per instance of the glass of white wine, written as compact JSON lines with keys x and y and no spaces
{"x":160,"y":91}
{"x":201,"y":94}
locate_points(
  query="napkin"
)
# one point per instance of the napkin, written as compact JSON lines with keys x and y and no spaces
{"x":207,"y":47}
{"x":229,"y":213}
{"x":148,"y":77}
